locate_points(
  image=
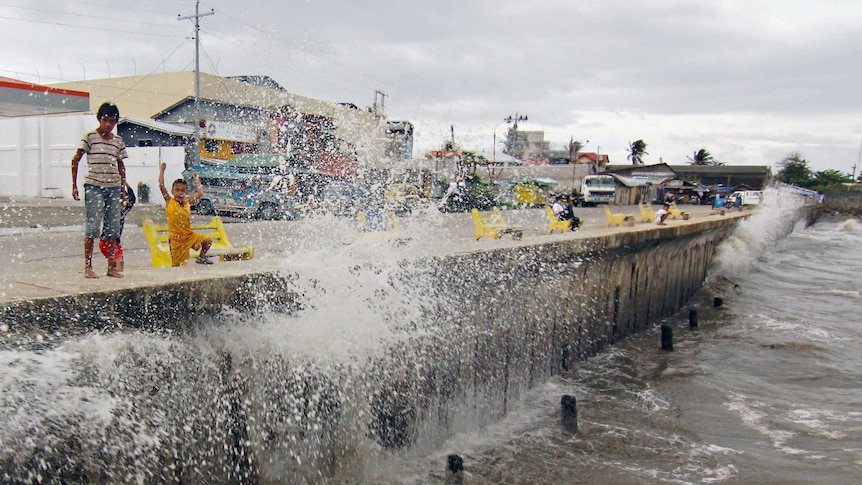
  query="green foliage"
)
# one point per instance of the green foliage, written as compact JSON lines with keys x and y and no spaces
{"x":575,"y":146}
{"x":827,"y":180}
{"x":703,"y":157}
{"x":637,"y":150}
{"x":515,"y":143}
{"x":795,"y":170}
{"x":472,"y":159}
{"x":474,"y":194}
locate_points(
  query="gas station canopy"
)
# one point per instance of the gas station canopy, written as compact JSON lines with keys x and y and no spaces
{"x":21,"y":98}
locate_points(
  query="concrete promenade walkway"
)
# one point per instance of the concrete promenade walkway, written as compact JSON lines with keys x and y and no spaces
{"x":41,"y":244}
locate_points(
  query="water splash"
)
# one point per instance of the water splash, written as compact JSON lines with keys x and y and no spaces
{"x":851,"y":226}
{"x":386,"y":353}
{"x":777,"y":215}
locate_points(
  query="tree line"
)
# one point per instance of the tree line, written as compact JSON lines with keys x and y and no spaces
{"x":795,"y":170}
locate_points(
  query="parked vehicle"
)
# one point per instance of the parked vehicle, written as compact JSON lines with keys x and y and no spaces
{"x":745,"y":197}
{"x":343,"y":199}
{"x":260,"y":186}
{"x":597,"y":189}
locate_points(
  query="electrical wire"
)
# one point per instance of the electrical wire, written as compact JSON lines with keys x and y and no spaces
{"x":86,"y":16}
{"x":89,"y":27}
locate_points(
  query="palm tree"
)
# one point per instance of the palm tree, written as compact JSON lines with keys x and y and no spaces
{"x":575,"y":147}
{"x":637,"y":150}
{"x":703,"y":157}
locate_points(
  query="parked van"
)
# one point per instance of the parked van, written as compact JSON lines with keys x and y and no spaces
{"x":260,"y":186}
{"x":231,"y":192}
{"x":745,"y":197}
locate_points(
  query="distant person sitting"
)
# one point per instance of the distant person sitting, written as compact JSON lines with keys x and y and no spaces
{"x":179,"y":213}
{"x":662,"y":214}
{"x":565,"y":213}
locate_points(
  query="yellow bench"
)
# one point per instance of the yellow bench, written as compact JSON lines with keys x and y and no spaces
{"x":554,"y":223}
{"x":618,"y":219}
{"x":647,"y":213}
{"x":160,"y":249}
{"x":676,"y":213}
{"x":491,"y":224}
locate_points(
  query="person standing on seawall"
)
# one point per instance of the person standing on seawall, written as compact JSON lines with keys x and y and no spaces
{"x":103,"y":187}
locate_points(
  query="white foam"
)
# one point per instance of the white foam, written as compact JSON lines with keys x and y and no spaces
{"x":761,"y":422}
{"x":850,"y":225}
{"x":768,"y":224}
{"x":652,"y":400}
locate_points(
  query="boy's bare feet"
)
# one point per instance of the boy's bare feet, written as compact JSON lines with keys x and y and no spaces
{"x":112,"y":270}
{"x":88,"y":273}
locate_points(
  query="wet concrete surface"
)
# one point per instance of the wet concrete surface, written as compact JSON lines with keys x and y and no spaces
{"x":41,"y":243}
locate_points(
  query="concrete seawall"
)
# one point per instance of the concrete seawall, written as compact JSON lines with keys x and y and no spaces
{"x":478,"y":329}
{"x":511,"y":318}
{"x":848,"y":203}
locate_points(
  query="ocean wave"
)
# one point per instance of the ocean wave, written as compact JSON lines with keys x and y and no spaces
{"x":850,"y":225}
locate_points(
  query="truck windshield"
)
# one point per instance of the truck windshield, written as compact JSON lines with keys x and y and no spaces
{"x":600,"y":182}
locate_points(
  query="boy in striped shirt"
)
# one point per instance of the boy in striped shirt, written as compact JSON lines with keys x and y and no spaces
{"x":103,"y":187}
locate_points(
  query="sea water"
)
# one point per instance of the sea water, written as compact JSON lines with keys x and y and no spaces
{"x":763,"y":391}
{"x":766,"y":389}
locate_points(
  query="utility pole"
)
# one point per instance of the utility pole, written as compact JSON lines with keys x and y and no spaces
{"x":575,"y":160}
{"x":196,"y":142}
{"x":382,"y":101}
{"x":858,"y":163}
{"x":509,"y":119}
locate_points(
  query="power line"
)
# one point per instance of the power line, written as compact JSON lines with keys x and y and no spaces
{"x":353,"y":70}
{"x":89,"y":27}
{"x":115,"y":19}
{"x":151,"y":72}
{"x":197,"y":18}
{"x":101,"y":5}
{"x":128,"y":66}
{"x":282,"y":62}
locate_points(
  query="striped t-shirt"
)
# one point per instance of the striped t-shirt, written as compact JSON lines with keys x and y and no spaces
{"x":102,"y":158}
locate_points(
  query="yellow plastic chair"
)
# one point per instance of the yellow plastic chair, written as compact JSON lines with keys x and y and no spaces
{"x":554,"y":224}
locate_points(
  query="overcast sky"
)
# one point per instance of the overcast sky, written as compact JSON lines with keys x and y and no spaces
{"x":749,"y":80}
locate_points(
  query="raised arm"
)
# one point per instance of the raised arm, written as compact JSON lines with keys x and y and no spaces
{"x":165,"y":193}
{"x":200,"y":192}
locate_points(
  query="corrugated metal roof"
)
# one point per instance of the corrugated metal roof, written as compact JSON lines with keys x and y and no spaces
{"x":161,"y":126}
{"x":631,"y":181}
{"x":722,"y":169}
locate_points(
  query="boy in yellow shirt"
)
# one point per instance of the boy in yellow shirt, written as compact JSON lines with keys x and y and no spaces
{"x":179,"y":214}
